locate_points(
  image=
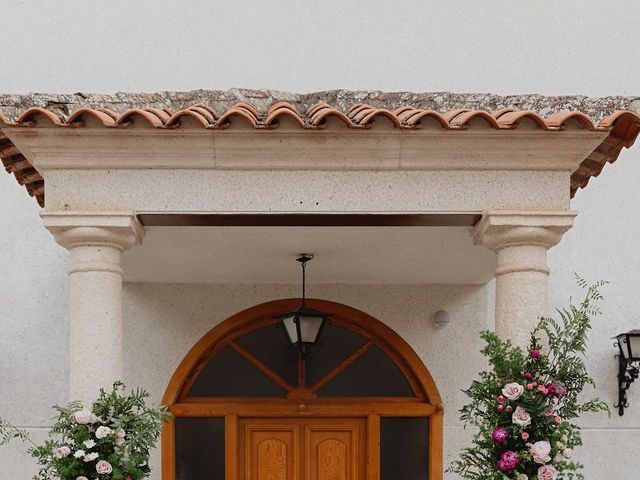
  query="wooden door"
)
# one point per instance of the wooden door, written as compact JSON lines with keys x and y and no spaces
{"x":302,"y":449}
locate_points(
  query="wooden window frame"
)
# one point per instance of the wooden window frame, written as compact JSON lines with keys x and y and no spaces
{"x":300,"y":401}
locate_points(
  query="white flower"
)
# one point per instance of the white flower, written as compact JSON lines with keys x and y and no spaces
{"x":559,"y":445}
{"x":89,"y":443}
{"x":567,"y":452}
{"x":513,"y":391}
{"x":81,"y":478}
{"x":79,"y":454}
{"x":540,"y":452}
{"x":102,"y":432}
{"x":61,"y":452}
{"x":522,"y":476}
{"x":120,"y":433}
{"x":558,"y":458}
{"x":103,"y":467}
{"x":521,"y":417}
{"x":119,"y":441}
{"x":89,"y":457}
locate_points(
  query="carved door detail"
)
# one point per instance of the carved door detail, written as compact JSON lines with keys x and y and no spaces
{"x":302,"y":449}
{"x":269,"y":452}
{"x":331,"y":460}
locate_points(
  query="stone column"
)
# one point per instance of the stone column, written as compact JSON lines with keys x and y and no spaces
{"x":521,"y":241}
{"x":95,"y":242}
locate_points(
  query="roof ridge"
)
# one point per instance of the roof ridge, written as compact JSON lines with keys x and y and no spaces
{"x":220,"y":100}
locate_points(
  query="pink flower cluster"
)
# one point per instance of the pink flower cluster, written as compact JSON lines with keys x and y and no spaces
{"x":509,"y":461}
{"x":510,"y":400}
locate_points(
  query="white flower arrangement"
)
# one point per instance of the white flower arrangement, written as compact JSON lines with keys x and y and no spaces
{"x":112,"y":440}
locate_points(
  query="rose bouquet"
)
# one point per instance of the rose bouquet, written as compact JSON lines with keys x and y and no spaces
{"x":524,"y":405}
{"x":110,"y":441}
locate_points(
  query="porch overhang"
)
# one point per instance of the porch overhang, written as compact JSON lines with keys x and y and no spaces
{"x":297,"y":171}
{"x":310,"y":154}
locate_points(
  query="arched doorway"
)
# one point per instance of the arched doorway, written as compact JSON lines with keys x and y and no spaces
{"x":361,"y":406}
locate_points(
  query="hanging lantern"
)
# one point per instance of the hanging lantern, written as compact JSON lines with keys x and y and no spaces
{"x":303,"y":326}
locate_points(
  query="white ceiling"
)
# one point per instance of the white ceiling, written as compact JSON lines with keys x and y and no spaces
{"x":355,"y":255}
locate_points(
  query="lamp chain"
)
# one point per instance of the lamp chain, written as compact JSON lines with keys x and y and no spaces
{"x":304,"y":281}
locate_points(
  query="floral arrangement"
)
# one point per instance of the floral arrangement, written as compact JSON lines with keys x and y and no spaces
{"x":525,"y":404}
{"x":110,"y":441}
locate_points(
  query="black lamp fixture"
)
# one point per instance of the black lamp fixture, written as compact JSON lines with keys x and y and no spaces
{"x":303,"y":326}
{"x":628,"y":365}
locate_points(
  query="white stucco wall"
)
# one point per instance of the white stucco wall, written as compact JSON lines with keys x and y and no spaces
{"x":499,"y":46}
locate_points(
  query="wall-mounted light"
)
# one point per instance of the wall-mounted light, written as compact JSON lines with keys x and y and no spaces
{"x":441,"y":318}
{"x":303,"y":326}
{"x":628,"y":365}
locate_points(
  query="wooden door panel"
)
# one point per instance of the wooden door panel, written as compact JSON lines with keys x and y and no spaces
{"x":302,"y":449}
{"x":332,"y":460}
{"x":268,"y":451}
{"x":334,"y":449}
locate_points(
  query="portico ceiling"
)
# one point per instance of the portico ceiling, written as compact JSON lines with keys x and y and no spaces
{"x":350,"y":255}
{"x":318,"y":112}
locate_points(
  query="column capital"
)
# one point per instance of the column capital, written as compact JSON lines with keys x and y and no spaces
{"x":120,"y":230}
{"x":500,"y":229}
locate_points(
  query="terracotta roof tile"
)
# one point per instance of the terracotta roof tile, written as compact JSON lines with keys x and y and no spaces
{"x":623,"y":126}
{"x":463,"y":119}
{"x":509,"y":118}
{"x":562,"y":120}
{"x":282,"y":108}
{"x":366,"y":115}
{"x":201,"y":115}
{"x":151,"y":116}
{"x":241,"y":109}
{"x":31,"y":114}
{"x":78,"y":117}
{"x":413,"y":117}
{"x":318,"y":114}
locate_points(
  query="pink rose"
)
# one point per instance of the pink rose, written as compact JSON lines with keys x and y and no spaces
{"x":547,"y":472}
{"x":84,"y":417}
{"x":521,"y":417}
{"x":61,"y":452}
{"x":540,"y":452}
{"x":557,"y":420}
{"x":103,"y":467}
{"x":512,"y":391}
{"x":525,"y":436}
{"x":102,"y":432}
{"x":535,"y":353}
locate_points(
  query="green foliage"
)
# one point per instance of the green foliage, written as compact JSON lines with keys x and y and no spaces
{"x":550,"y":379}
{"x":120,"y":429}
